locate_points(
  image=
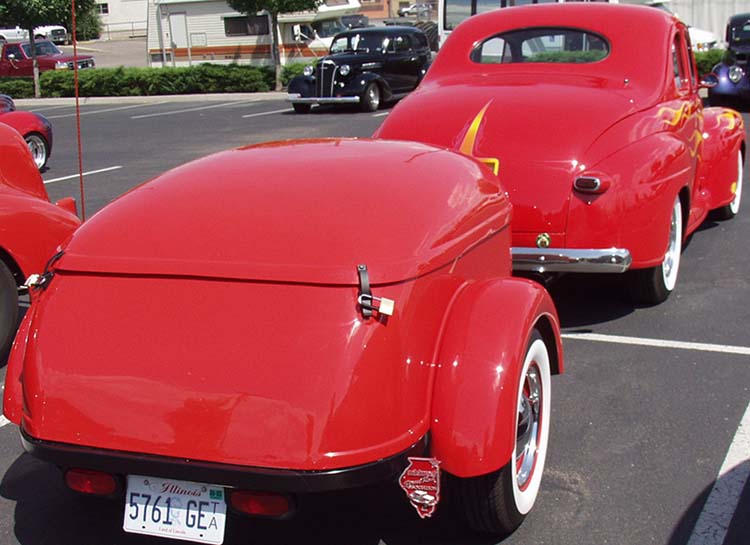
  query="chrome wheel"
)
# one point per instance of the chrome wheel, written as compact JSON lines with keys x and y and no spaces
{"x":527,"y":431}
{"x":38,"y":147}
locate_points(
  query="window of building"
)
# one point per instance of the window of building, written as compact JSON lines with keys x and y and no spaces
{"x":255,"y":25}
{"x":102,"y":9}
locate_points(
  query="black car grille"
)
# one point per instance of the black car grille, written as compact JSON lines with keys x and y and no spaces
{"x":82,"y":63}
{"x":326,"y":78}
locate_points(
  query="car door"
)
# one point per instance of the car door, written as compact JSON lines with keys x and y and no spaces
{"x":401,"y":64}
{"x":17,"y":66}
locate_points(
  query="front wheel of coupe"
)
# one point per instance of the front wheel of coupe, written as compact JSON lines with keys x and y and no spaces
{"x":498,"y":502}
{"x":301,"y":108}
{"x":8,"y":310}
{"x":371,"y":98}
{"x":654,"y":285}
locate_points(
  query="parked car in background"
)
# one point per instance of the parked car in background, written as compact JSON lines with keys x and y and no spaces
{"x":355,"y":21}
{"x":54,"y":33}
{"x":35,"y":129}
{"x":702,"y":40}
{"x":16,"y":61}
{"x":366,"y":66}
{"x":734,"y":81}
{"x":417,"y":10}
{"x":341,"y":355}
{"x":602,"y":141}
{"x":31,"y":228}
{"x":13,"y":34}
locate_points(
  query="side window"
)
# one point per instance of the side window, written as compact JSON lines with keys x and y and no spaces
{"x":401,"y":43}
{"x":420,"y":40}
{"x":14,"y":50}
{"x":691,"y":61}
{"x":678,"y":64}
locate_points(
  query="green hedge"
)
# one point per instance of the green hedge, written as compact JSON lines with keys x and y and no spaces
{"x":706,"y":60}
{"x":203,"y":78}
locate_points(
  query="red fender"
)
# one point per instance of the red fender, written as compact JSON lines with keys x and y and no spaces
{"x":724,"y":137}
{"x":479,"y":366}
{"x":13,"y":393}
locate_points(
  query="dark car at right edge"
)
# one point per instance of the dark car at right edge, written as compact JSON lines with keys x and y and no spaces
{"x":367,"y":66}
{"x":734,"y":82}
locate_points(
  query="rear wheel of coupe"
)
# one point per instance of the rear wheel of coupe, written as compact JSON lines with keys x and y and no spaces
{"x":653,"y":285}
{"x":371,"y":98}
{"x":38,"y":147}
{"x":301,"y":108}
{"x":729,"y":211}
{"x":498,"y":502}
{"x":8,"y":310}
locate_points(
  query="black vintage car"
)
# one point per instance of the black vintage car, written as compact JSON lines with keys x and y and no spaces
{"x":734,"y":70}
{"x":366,"y":66}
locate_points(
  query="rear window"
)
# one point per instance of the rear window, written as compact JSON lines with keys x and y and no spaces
{"x":549,"y":45}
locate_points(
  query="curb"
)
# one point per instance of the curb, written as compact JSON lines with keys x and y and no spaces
{"x":214,"y":97}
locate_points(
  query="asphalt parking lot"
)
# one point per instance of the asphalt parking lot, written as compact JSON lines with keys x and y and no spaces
{"x":650,"y":439}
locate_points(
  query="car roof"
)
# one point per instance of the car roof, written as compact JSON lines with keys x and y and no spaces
{"x":383,"y":30}
{"x":738,"y":18}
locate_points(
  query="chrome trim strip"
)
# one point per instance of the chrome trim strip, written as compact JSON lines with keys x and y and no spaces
{"x":541,"y":260}
{"x":296,"y":99}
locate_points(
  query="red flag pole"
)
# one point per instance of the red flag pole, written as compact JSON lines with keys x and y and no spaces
{"x":78,"y":110}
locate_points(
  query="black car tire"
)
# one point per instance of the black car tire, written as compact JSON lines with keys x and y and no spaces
{"x":8,"y":310}
{"x":371,"y":98}
{"x":302,"y":108}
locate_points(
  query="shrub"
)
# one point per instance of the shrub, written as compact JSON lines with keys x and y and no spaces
{"x":290,"y":71}
{"x":121,"y":81}
{"x":17,"y":87}
{"x":706,"y":60}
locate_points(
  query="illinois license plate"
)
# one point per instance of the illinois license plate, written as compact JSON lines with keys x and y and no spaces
{"x":175,"y":509}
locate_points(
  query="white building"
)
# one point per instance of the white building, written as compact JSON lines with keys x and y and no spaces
{"x":122,"y":17}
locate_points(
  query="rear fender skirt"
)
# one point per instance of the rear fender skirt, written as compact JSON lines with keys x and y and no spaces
{"x":479,"y":366}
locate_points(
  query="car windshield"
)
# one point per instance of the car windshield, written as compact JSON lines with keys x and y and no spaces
{"x":548,"y":45}
{"x":741,"y":31}
{"x":357,"y":42}
{"x":42,"y":48}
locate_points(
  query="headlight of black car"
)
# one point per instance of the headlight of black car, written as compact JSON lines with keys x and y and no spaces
{"x":344,"y":69}
{"x":735,"y":74}
{"x":308,"y":70}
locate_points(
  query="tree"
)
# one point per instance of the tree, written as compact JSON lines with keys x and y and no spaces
{"x":273,"y":7}
{"x":30,"y":14}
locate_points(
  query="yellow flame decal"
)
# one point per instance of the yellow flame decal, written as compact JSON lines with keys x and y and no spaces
{"x":677,"y":116}
{"x":467,"y":144}
{"x":698,"y":137}
{"x":731,"y":121}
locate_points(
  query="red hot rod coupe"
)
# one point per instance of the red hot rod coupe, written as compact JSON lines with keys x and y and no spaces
{"x":31,"y":228}
{"x":590,"y":114}
{"x":270,"y":335}
{"x":35,"y":129}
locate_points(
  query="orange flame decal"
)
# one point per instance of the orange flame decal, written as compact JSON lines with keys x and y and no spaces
{"x":731,"y":121}
{"x":698,"y":137}
{"x":469,"y":140}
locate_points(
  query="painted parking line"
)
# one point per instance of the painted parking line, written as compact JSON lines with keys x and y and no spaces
{"x":381,"y":114}
{"x":108,"y":169}
{"x":3,"y":421}
{"x":104,"y":110}
{"x":639,"y":341}
{"x":267,"y":113}
{"x":187,"y":110}
{"x":713,"y":523}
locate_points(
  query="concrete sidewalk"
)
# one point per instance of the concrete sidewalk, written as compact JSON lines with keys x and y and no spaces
{"x":215,"y":97}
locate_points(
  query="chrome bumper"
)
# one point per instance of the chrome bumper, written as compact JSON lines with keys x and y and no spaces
{"x":297,"y":99}
{"x":541,"y":260}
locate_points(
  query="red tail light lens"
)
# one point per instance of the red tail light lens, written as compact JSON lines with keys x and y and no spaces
{"x":91,"y":482}
{"x":267,"y":504}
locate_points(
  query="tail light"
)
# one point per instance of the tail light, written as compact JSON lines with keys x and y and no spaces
{"x":96,"y":483}
{"x":266,"y":504}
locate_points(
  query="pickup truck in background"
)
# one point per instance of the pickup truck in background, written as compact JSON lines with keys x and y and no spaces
{"x":13,"y":34}
{"x":15,"y":59}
